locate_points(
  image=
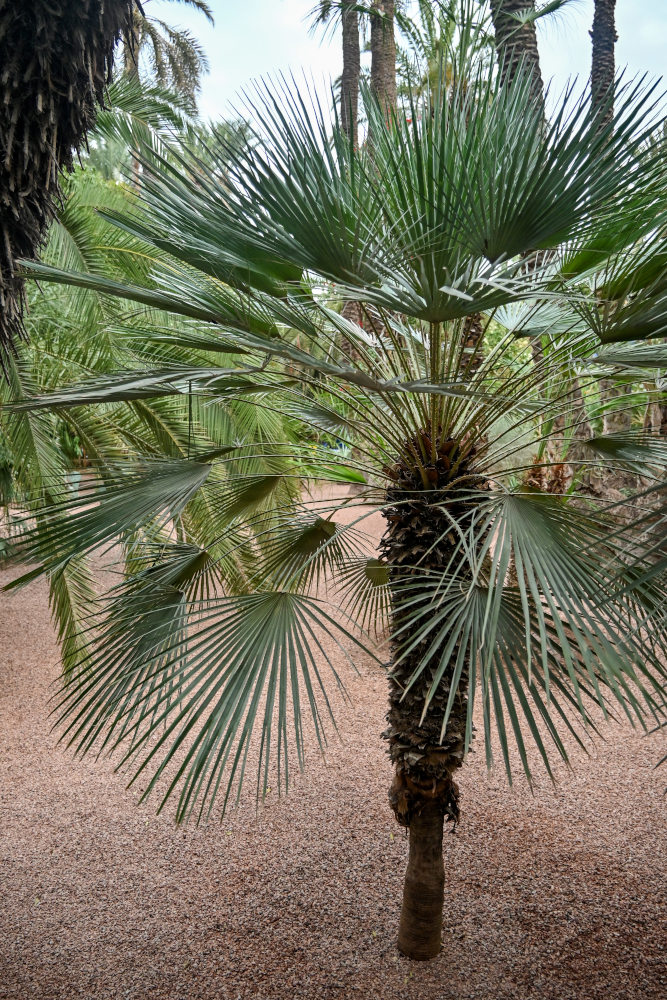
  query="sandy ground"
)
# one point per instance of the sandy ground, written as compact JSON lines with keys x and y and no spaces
{"x":557,"y":895}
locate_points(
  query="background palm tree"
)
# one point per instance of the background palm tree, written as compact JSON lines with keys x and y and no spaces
{"x":618,"y":414}
{"x":383,"y":54}
{"x":57,"y":59}
{"x":516,"y":42}
{"x":175,"y":57}
{"x":603,"y":66}
{"x":432,"y":224}
{"x":327,"y":13}
{"x":514,"y":23}
{"x":430,"y":31}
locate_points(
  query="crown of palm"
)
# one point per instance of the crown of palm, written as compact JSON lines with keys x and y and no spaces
{"x":474,"y":204}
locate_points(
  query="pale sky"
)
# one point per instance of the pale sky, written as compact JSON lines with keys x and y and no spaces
{"x":259,"y":37}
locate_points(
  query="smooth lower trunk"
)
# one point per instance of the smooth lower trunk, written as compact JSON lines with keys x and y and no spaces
{"x":420,"y":930}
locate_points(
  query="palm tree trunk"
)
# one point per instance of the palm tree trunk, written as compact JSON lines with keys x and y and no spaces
{"x":131,"y":47}
{"x":603,"y":67}
{"x":423,"y":792}
{"x":516,"y":44}
{"x":516,"y":47}
{"x":349,"y":119}
{"x":473,"y":341}
{"x":603,"y":70}
{"x":420,"y":930}
{"x":655,"y":419}
{"x":349,"y":95}
{"x":383,"y":55}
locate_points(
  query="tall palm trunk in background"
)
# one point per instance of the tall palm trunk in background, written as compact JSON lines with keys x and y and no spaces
{"x":383,"y":54}
{"x":516,"y":47}
{"x":383,"y":85}
{"x":349,"y":119}
{"x":603,"y":69}
{"x":56,"y":58}
{"x":131,"y":50}
{"x":349,"y":89}
{"x":516,"y":43}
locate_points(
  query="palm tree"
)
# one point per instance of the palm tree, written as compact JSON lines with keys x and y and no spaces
{"x":430,"y":33}
{"x":517,"y":52}
{"x":617,"y":418}
{"x":57,"y":60}
{"x":137,"y":112}
{"x":428,"y":227}
{"x":176,"y":58}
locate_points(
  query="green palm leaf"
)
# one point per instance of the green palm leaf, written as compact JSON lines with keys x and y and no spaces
{"x":249,"y":661}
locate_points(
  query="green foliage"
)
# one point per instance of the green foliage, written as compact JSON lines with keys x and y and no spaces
{"x":75,"y":455}
{"x":174,"y":55}
{"x":551,"y":602}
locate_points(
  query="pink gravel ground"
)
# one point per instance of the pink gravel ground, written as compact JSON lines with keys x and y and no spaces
{"x":558,"y":895}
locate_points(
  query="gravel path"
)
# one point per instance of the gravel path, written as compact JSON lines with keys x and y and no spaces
{"x":554,"y":896}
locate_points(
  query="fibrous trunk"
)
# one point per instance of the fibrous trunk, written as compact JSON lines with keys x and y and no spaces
{"x":516,"y":44}
{"x":349,"y":90}
{"x":383,"y":55}
{"x":418,"y":541}
{"x":618,"y":398}
{"x":55,"y":62}
{"x":603,"y":66}
{"x":617,"y":418}
{"x":473,"y":342}
{"x":655,"y":419}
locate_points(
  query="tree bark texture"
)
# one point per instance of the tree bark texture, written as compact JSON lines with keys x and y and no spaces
{"x":56,"y":60}
{"x":603,"y":67}
{"x":383,"y":55}
{"x":603,"y":70}
{"x":516,"y":44}
{"x":423,"y":793}
{"x":655,"y":419}
{"x":618,"y":419}
{"x":349,"y":91}
{"x":473,"y":342}
{"x":420,"y":929}
{"x":354,"y":313}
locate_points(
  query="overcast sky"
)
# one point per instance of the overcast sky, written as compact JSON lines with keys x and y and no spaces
{"x":256,"y":37}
